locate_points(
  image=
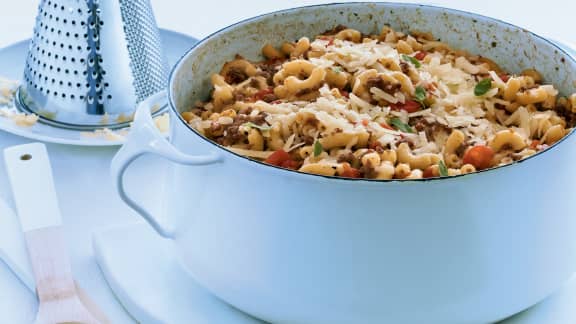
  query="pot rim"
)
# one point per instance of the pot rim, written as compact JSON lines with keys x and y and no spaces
{"x":190,"y":51}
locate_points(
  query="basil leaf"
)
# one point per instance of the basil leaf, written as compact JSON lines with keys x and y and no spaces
{"x":412,"y":60}
{"x":482,"y":87}
{"x":420,"y":95}
{"x":442,"y":169}
{"x":260,"y":127}
{"x":318,"y":149}
{"x":400,"y":125}
{"x":336,"y":69}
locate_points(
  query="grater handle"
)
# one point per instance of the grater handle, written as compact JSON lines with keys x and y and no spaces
{"x":145,"y":138}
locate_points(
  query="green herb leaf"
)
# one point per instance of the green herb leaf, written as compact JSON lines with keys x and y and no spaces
{"x":442,"y":169}
{"x":420,"y":95}
{"x":412,"y":60}
{"x":318,"y":149}
{"x":260,"y":127}
{"x":482,"y":87}
{"x":400,"y":125}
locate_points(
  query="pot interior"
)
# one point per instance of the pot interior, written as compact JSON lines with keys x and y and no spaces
{"x":513,"y":48}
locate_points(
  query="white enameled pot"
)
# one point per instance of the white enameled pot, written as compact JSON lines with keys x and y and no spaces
{"x":290,"y":247}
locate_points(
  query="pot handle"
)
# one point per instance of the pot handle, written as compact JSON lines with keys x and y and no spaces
{"x":145,"y":138}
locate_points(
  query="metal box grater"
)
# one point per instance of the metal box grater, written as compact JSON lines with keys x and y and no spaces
{"x":90,"y":62}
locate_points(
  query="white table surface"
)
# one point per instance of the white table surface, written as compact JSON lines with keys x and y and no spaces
{"x":81,"y":174}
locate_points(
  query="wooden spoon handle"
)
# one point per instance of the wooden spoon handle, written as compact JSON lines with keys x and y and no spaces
{"x":50,"y":264}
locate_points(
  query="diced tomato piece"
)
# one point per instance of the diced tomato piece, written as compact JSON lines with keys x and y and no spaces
{"x":290,"y":164}
{"x":278,"y":157}
{"x":384,"y":125}
{"x":365,"y":122}
{"x":420,"y":55}
{"x":350,"y":172}
{"x":428,"y":172}
{"x":330,"y":40}
{"x":480,"y":156}
{"x":505,"y":77}
{"x":344,"y":93}
{"x":375,"y":145}
{"x":260,"y":94}
{"x":534,"y":144}
{"x":410,"y":106}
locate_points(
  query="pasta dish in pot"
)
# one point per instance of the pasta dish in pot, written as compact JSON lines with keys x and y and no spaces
{"x":384,"y":106}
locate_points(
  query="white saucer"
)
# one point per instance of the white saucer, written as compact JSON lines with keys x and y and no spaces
{"x":144,"y":274}
{"x":12,"y":60}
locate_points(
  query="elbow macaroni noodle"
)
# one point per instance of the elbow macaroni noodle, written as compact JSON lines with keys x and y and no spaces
{"x":386,"y":106}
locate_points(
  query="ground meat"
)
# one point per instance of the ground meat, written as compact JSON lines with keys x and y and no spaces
{"x":335,"y":30}
{"x":568,"y":115}
{"x":377,"y":146}
{"x":375,"y":82}
{"x":304,"y":91}
{"x":269,"y":97}
{"x":235,"y":76}
{"x":405,"y":67}
{"x":231,"y":134}
{"x":461,"y":149}
{"x":430,"y":129}
{"x":350,"y":159}
{"x":420,"y":124}
{"x":309,"y":140}
{"x":499,"y":106}
{"x":368,"y":171}
{"x":259,"y":119}
{"x":254,"y":83}
{"x":216,"y":129}
{"x":268,"y":69}
{"x":385,"y":86}
{"x":245,"y":111}
{"x":239,"y":96}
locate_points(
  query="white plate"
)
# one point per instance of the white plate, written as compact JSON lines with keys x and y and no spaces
{"x":144,"y":273}
{"x":12,"y":60}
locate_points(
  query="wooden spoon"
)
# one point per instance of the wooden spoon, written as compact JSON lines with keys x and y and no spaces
{"x":30,"y":176}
